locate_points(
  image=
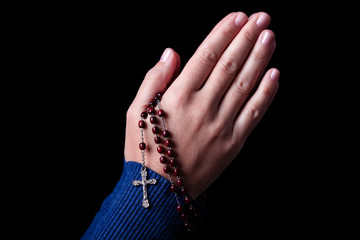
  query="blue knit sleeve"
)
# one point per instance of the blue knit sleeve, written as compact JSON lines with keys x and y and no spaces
{"x":122,"y":216}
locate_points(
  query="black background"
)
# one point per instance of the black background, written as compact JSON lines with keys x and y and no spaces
{"x":86,"y":63}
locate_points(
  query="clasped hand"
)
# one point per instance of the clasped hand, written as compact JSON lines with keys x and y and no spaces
{"x":214,"y":103}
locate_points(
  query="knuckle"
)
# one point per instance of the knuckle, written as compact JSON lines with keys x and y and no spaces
{"x":253,"y":112}
{"x":207,"y":57}
{"x":154,"y":73}
{"x":249,"y":35}
{"x":229,"y":66}
{"x":227,"y":31}
{"x":261,"y":55}
{"x":242,"y":86}
{"x":267,"y":91}
{"x":222,"y":129}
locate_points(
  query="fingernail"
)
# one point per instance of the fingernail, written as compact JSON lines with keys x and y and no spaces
{"x":240,"y":19}
{"x":262,"y":20}
{"x":266,"y":38}
{"x":165,"y":56}
{"x":275,"y":74}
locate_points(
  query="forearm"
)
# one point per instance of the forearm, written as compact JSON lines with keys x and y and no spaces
{"x":122,"y":216}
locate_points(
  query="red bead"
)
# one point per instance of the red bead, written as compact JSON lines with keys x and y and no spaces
{"x":144,"y":115}
{"x":180,"y":182}
{"x":168,"y":142}
{"x":188,"y":199}
{"x":166,"y":133}
{"x":187,"y":225}
{"x":157,"y":140}
{"x":176,"y":172}
{"x":155,"y":130}
{"x":192,"y":208}
{"x":183,"y":191}
{"x":153,"y":120}
{"x":179,"y":208}
{"x":142,"y":146}
{"x":166,"y":169}
{"x":163,"y":159}
{"x":161,"y":113}
{"x":183,"y":216}
{"x":151,"y":110}
{"x":141,"y":124}
{"x":172,"y":188}
{"x":172,"y":162}
{"x":170,"y":153}
{"x":160,"y":149}
{"x":158,"y":97}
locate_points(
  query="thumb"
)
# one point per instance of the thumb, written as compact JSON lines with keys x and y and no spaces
{"x":158,"y":78}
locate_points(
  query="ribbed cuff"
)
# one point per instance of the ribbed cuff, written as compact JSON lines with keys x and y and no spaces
{"x":122,"y":216}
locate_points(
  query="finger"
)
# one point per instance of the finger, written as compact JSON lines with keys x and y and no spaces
{"x":234,"y":57}
{"x":257,"y":105}
{"x":177,"y":68}
{"x":249,"y":75}
{"x":206,"y":56}
{"x":158,"y":78}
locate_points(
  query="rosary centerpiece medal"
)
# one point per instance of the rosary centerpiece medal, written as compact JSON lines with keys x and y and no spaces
{"x":144,"y":182}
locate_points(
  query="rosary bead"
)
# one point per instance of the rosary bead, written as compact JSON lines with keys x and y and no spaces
{"x":172,"y":162}
{"x":183,"y":191}
{"x":151,"y":110}
{"x":179,"y":208}
{"x":141,"y":124}
{"x":172,"y":188}
{"x":157,"y":140}
{"x":170,"y":153}
{"x":158,"y":97}
{"x":144,"y":115}
{"x":192,"y":208}
{"x":161,"y":113}
{"x":180,"y":182}
{"x":168,"y":142}
{"x":166,"y":169}
{"x":153,"y":120}
{"x":166,"y":133}
{"x":155,"y":130}
{"x":160,"y":149}
{"x":183,"y":216}
{"x":163,"y":159}
{"x":187,"y":225}
{"x":187,"y":199}
{"x":176,"y":172}
{"x":142,"y":146}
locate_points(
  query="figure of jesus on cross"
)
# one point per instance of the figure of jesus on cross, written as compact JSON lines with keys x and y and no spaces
{"x":144,"y":182}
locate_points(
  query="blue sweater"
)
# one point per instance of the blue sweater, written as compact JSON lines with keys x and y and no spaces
{"x":122,"y":216}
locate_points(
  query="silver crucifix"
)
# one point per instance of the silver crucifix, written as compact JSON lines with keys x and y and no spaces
{"x":144,"y":182}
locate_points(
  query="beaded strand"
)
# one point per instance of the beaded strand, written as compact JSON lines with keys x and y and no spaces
{"x":165,"y":147}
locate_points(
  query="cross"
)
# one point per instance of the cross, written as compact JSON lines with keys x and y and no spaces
{"x":144,"y":182}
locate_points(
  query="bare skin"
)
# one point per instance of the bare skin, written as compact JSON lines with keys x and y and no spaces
{"x":213,"y":104}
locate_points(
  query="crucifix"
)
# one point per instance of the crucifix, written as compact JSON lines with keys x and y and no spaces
{"x":144,"y":182}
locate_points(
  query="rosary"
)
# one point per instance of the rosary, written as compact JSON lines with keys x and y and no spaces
{"x":167,"y":158}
